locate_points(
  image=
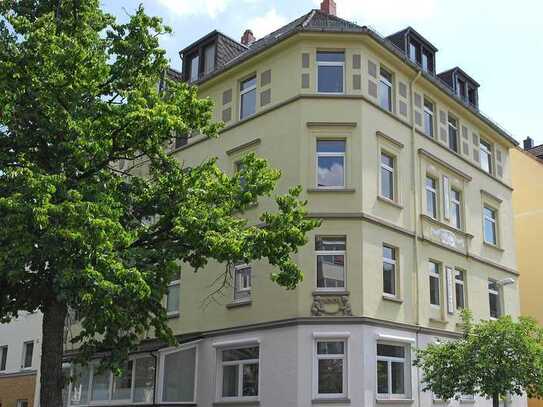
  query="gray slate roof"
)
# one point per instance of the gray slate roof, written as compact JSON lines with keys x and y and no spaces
{"x":537,"y":151}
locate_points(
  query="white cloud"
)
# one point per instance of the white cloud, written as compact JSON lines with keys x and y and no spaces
{"x":266,"y":23}
{"x":195,"y":7}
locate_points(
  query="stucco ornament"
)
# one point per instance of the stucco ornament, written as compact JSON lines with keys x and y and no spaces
{"x":448,"y":238}
{"x":331,"y":305}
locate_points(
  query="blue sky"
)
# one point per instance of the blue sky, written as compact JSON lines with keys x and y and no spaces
{"x":498,"y":42}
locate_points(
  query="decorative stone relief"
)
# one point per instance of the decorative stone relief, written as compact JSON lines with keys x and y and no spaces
{"x":448,"y":238}
{"x":331,"y":305}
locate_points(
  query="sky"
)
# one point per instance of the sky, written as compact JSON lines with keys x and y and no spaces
{"x":497,"y":42}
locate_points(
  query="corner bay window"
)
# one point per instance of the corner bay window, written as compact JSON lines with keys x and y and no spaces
{"x":330,"y":163}
{"x":459,"y":289}
{"x":485,"y":156}
{"x":428,"y":118}
{"x":387,"y":176}
{"x":389,"y":270}
{"x":239,"y":371}
{"x":385,"y":90}
{"x":242,"y":282}
{"x":431,"y":197}
{"x":330,"y":71}
{"x":453,"y":133}
{"x":331,"y":368}
{"x":247,"y":92}
{"x":392,"y":371}
{"x":489,"y":220}
{"x":494,"y":299}
{"x":330,"y":253}
{"x":435,"y":282}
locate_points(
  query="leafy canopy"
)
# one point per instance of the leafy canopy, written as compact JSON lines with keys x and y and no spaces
{"x":78,"y":93}
{"x":493,"y":359}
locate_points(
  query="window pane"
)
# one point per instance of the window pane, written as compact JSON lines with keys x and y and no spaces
{"x":389,"y":279}
{"x":394,"y":351}
{"x":397,"y":371}
{"x":387,"y":183}
{"x":434,"y":290}
{"x":194,"y":68}
{"x":490,"y":231}
{"x":330,"y":348}
{"x":494,"y":305}
{"x":250,"y":380}
{"x":172,"y":299}
{"x":240,"y":354}
{"x":387,"y":160}
{"x":330,"y":79}
{"x":248,"y":103}
{"x":3,"y":357}
{"x":382,"y":377}
{"x":330,"y":376}
{"x":144,"y":380}
{"x":100,"y":385}
{"x":428,"y":124}
{"x":209,"y":55}
{"x":122,"y":385}
{"x":29,"y":351}
{"x":330,"y":269}
{"x":453,"y":138}
{"x":80,"y":386}
{"x":330,"y":146}
{"x":431,"y":206}
{"x":330,"y":243}
{"x":490,"y":213}
{"x":331,"y":172}
{"x":385,"y":96}
{"x":230,"y":381}
{"x":179,"y":371}
{"x":248,"y":83}
{"x":389,"y":253}
{"x":328,"y":56}
{"x":459,"y":296}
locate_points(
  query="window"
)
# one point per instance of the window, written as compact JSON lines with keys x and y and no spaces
{"x":494,"y":299}
{"x":22,"y":403}
{"x":330,"y":253}
{"x":427,"y":61}
{"x":80,"y":386}
{"x":239,"y":368}
{"x":490,"y":233}
{"x":144,"y":379}
{"x":172,"y":298}
{"x":178,"y":375}
{"x":330,"y":163}
{"x":428,"y":118}
{"x":122,"y":385}
{"x":485,"y":155}
{"x":453,"y":134}
{"x":387,"y":176}
{"x":461,"y":88}
{"x":242,"y":282}
{"x":472,"y":96}
{"x":385,"y":90}
{"x":3,"y":357}
{"x":392,"y":371}
{"x":456,"y":209}
{"x":100,"y":384}
{"x":194,"y":68}
{"x":389,"y":270}
{"x":413,"y":52}
{"x":209,"y":58}
{"x":330,"y":67}
{"x":28,"y":351}
{"x":247,"y":92}
{"x":431,"y":197}
{"x":459,"y":289}
{"x":435,"y":283}
{"x":331,"y":366}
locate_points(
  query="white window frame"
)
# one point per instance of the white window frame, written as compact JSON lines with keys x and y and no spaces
{"x":406,"y":371}
{"x":159,"y":388}
{"x":385,"y":82}
{"x":329,"y":63}
{"x":485,"y":148}
{"x":435,"y":274}
{"x":3,"y":356}
{"x":456,"y":208}
{"x":392,"y":170}
{"x":244,"y":92}
{"x":331,"y":253}
{"x":246,"y":288}
{"x":171,"y":284}
{"x":330,"y":154}
{"x":450,"y":120}
{"x":462,"y":283}
{"x":23,"y":355}
{"x":498,"y":295}
{"x":394,"y":264}
{"x":434,"y":192}
{"x":431,"y":114}
{"x":494,"y":222}
{"x":240,"y":363}
{"x":332,"y":337}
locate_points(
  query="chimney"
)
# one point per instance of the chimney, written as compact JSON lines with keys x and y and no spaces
{"x":248,"y":38}
{"x":328,"y":7}
{"x":528,"y":143}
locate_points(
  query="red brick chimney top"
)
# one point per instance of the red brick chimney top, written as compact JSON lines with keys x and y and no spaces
{"x":247,"y":38}
{"x":328,"y":7}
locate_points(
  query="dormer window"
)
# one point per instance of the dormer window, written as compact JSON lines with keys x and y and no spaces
{"x":209,"y":58}
{"x":420,"y":51}
{"x":194,"y":67}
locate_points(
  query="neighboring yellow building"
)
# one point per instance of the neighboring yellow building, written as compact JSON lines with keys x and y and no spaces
{"x":527,"y":177}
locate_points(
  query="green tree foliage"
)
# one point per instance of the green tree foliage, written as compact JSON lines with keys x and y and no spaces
{"x":493,"y":359}
{"x":78,"y":93}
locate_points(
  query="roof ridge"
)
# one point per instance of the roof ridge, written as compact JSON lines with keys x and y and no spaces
{"x":308,"y":19}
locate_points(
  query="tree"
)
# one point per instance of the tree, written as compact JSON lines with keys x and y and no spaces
{"x":78,"y":93}
{"x":493,"y":359}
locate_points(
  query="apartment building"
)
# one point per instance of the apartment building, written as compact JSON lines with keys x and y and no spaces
{"x":20,"y":353}
{"x":413,"y":184}
{"x":527,"y":176}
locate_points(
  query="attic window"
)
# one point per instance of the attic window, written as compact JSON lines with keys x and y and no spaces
{"x":209,"y":58}
{"x":421,"y":55}
{"x":194,"y":67}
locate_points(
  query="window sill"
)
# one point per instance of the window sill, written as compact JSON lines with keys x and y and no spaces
{"x":339,"y":400}
{"x":237,"y":304}
{"x":337,"y":190}
{"x":237,"y":401}
{"x":172,"y":315}
{"x":445,"y":225}
{"x":394,"y":401}
{"x":493,"y":246}
{"x":328,"y":293}
{"x":389,"y":201}
{"x":392,"y":298}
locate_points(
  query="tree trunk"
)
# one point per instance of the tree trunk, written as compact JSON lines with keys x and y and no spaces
{"x":51,"y":380}
{"x":496,"y":400}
